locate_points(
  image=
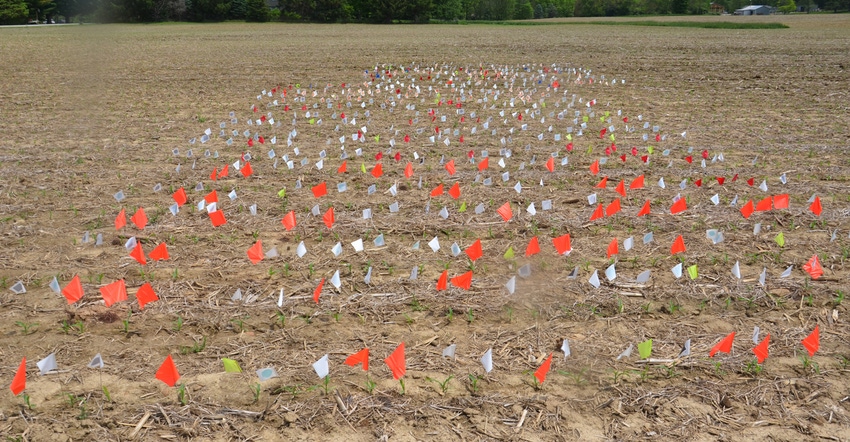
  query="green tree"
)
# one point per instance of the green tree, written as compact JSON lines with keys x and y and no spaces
{"x":13,"y":12}
{"x":523,"y":10}
{"x":679,"y":6}
{"x":256,"y":11}
{"x":448,"y":10}
{"x":787,"y":6}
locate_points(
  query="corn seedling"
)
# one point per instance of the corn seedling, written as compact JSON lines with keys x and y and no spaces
{"x":809,"y":365}
{"x":370,"y":385}
{"x":178,"y":324}
{"x":28,"y":327}
{"x":444,"y":385}
{"x":256,"y":389}
{"x":182,"y":396}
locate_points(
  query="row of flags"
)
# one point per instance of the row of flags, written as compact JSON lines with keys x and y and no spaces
{"x":397,"y":363}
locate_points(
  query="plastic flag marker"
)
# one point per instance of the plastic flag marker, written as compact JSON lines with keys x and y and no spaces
{"x":19,"y":382}
{"x":322,"y":367}
{"x":255,"y":252}
{"x":813,"y":267}
{"x":487,"y":360}
{"x":627,"y":352}
{"x":543,"y":370}
{"x":812,"y":341}
{"x":96,"y":362}
{"x":73,"y":292}
{"x":761,"y":350}
{"x":231,"y":366}
{"x":645,"y":349}
{"x":146,"y":295}
{"x":47,"y":364}
{"x":724,"y":346}
{"x":396,"y":362}
{"x":114,"y":292}
{"x":361,"y":357}
{"x":167,"y":372}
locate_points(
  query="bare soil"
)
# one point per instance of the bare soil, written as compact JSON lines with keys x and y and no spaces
{"x":87,"y":111}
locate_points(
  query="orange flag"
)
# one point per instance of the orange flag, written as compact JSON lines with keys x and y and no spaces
{"x":442,"y":283}
{"x":816,"y":207}
{"x":159,"y":252}
{"x":602,"y":183}
{"x":320,"y":190}
{"x":179,"y":197}
{"x":454,"y":192}
{"x":475,"y":251}
{"x":223,"y":172}
{"x":550,"y":164}
{"x":562,"y":244}
{"x":288,"y":220}
{"x":114,"y":292}
{"x":599,"y":212}
{"x":214,"y":174}
{"x":437,"y":191}
{"x":678,"y":245}
{"x":217,"y":218}
{"x":211,"y":197}
{"x":19,"y":382}
{"x":318,"y":291}
{"x":613,"y":248}
{"x":594,"y":168}
{"x":168,"y":372}
{"x":408,"y":170}
{"x":764,"y":205}
{"x":139,"y":218}
{"x":748,"y":209}
{"x":621,"y":188}
{"x":644,"y":210}
{"x":361,"y":357}
{"x":679,"y":206}
{"x":450,"y":167}
{"x":533,"y":247}
{"x":255,"y":252}
{"x":378,"y":170}
{"x":145,"y":294}
{"x":812,"y":342}
{"x":813,"y":267}
{"x":343,"y":167}
{"x":505,"y":211}
{"x":761,"y":350}
{"x":725,"y":345}
{"x":637,"y":183}
{"x":121,"y":219}
{"x":247,"y":170}
{"x":541,"y":372}
{"x":484,"y":164}
{"x":463,"y":281}
{"x":138,"y":254}
{"x":73,"y":292}
{"x":780,"y":201}
{"x":328,"y":217}
{"x":395,"y":361}
{"x":613,"y":208}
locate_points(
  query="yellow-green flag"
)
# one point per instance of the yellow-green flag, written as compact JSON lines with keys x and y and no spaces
{"x":510,"y":253}
{"x":282,"y":193}
{"x":645,"y":349}
{"x":362,"y":168}
{"x":780,"y":239}
{"x":231,"y":366}
{"x":650,"y":149}
{"x":462,"y":207}
{"x":692,"y":271}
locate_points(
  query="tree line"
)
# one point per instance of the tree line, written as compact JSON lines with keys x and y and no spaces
{"x":365,"y":11}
